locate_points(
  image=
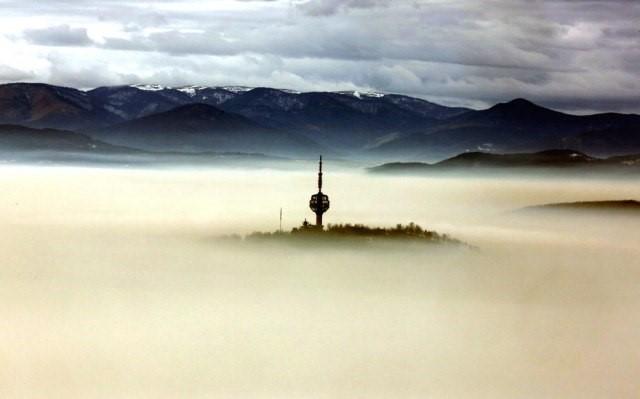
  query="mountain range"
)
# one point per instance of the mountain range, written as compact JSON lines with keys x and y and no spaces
{"x":286,"y":122}
{"x":520,"y":126}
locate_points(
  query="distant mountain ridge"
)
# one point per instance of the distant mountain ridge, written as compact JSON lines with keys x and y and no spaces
{"x":17,"y":139}
{"x":556,"y":160}
{"x":519,"y":126}
{"x":196,"y":128}
{"x":46,"y":106}
{"x":625,"y":206}
{"x":25,"y":145}
{"x":351,"y":123}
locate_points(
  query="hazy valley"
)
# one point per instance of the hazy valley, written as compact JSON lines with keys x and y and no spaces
{"x":118,"y":273}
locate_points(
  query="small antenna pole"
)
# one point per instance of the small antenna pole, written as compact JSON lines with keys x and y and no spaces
{"x":281,"y":220}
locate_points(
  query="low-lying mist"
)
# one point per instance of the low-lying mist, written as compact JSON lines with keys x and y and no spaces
{"x":113,"y":284}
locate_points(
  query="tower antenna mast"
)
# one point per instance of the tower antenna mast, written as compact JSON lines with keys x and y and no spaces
{"x":320,"y":175}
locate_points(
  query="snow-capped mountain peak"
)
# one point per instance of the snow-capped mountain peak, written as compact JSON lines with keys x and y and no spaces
{"x":150,"y":87}
{"x":236,"y":89}
{"x":192,"y":91}
{"x":361,"y":94}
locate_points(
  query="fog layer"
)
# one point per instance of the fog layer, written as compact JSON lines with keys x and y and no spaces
{"x":112,"y":284}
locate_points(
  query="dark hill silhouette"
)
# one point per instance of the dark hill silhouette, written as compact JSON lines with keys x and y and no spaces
{"x":550,"y":160}
{"x":46,"y":106}
{"x":519,"y":111}
{"x":201,"y":127}
{"x":344,"y":235}
{"x":192,"y":118}
{"x":631,"y":160}
{"x":132,"y":102}
{"x":621,"y":206}
{"x":15,"y":139}
{"x":337,"y":120}
{"x":518,"y":125}
{"x":425,"y":108}
{"x":127,"y":102}
{"x":603,"y":142}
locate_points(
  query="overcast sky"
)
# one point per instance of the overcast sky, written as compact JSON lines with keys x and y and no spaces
{"x":575,"y":55}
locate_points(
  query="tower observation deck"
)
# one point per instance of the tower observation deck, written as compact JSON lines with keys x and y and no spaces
{"x":319,"y":202}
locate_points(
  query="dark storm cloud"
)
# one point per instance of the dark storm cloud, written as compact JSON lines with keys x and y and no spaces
{"x":579,"y":55}
{"x":347,"y":40}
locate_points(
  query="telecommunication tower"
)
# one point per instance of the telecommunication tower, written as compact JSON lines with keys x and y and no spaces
{"x":319,"y":202}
